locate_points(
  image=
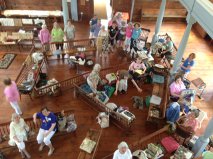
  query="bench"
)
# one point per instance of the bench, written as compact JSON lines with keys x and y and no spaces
{"x":169,"y":13}
{"x":157,"y":113}
{"x":5,"y":130}
{"x":95,"y":136}
{"x":74,"y":46}
{"x":115,"y":117}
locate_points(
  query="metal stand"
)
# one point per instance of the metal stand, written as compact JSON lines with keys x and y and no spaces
{"x":200,"y":85}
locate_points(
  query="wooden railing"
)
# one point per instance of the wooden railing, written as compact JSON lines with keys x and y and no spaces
{"x":69,"y":83}
{"x":160,"y":90}
{"x":26,"y":66}
{"x":95,"y":104}
{"x":141,"y":144}
{"x":74,"y":46}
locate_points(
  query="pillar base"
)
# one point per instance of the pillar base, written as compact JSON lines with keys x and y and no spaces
{"x":154,"y":39}
{"x":199,"y":146}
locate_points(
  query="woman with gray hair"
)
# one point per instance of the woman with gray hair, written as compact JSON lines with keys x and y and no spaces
{"x":45,"y":37}
{"x":93,"y":79}
{"x":123,"y":152}
{"x":18,"y":134}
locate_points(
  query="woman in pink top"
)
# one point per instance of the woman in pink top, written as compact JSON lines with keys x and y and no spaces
{"x":137,"y":68}
{"x":129,"y":30}
{"x":45,"y":37}
{"x":12,"y":95}
{"x":176,"y":88}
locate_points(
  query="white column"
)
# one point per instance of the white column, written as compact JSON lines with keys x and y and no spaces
{"x":65,"y":11}
{"x":159,"y":22}
{"x":182,"y":46}
{"x":74,"y":10}
{"x":132,"y":10}
{"x":203,"y":141}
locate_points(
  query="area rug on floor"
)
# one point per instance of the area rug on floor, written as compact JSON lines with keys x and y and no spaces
{"x":6,"y":60}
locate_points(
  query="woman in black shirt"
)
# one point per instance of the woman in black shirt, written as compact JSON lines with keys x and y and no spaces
{"x":113,"y":31}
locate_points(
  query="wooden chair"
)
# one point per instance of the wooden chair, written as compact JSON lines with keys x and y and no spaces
{"x":183,"y":132}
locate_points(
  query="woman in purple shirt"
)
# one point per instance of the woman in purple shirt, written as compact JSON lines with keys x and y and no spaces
{"x":12,"y":94}
{"x":45,"y":37}
{"x":47,"y":130}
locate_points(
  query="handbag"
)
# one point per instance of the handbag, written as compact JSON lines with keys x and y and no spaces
{"x":103,"y":120}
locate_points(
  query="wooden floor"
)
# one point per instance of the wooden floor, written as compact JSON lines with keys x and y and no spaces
{"x":67,"y":147}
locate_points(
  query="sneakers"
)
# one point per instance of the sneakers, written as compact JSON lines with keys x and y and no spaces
{"x":41,"y":147}
{"x":51,"y":152}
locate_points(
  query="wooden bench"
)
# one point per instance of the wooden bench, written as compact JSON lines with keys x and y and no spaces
{"x":95,"y":136}
{"x":142,"y":143}
{"x":74,"y":46}
{"x":116,"y":118}
{"x":160,"y":90}
{"x":5,"y":129}
{"x":169,"y":13}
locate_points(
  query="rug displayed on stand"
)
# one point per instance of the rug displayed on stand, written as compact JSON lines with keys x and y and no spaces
{"x":6,"y":60}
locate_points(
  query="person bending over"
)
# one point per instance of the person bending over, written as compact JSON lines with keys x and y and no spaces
{"x":122,"y":82}
{"x":47,"y":130}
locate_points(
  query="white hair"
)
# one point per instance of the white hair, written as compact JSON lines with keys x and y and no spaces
{"x":123,"y":144}
{"x":97,"y":67}
{"x":14,"y":115}
{"x":44,"y":26}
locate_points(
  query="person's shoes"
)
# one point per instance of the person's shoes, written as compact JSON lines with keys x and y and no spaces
{"x":51,"y":152}
{"x":28,"y":155}
{"x":41,"y":147}
{"x":22,"y":154}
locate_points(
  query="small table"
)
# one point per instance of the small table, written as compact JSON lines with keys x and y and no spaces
{"x":200,"y":85}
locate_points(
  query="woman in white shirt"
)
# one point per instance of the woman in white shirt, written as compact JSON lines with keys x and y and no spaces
{"x":123,"y":152}
{"x":18,"y":134}
{"x":103,"y":38}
